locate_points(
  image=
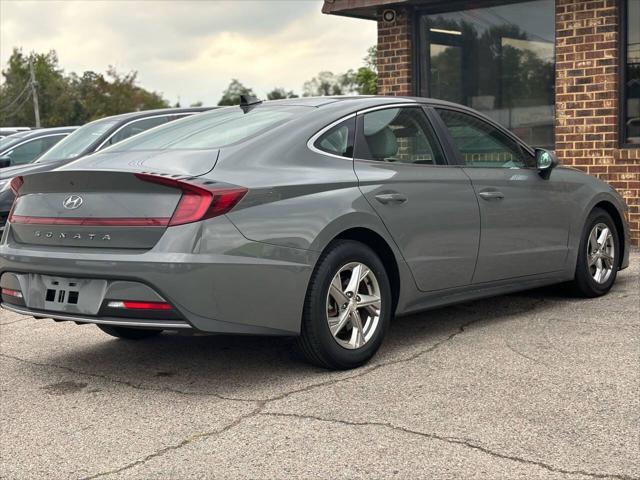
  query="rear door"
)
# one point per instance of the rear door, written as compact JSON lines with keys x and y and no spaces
{"x":525,"y":218}
{"x":428,"y":206}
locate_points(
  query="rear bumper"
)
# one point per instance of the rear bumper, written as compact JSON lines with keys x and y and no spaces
{"x":121,"y":322}
{"x":217,"y":280}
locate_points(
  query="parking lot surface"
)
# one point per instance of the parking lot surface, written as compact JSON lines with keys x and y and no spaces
{"x":531,"y":385}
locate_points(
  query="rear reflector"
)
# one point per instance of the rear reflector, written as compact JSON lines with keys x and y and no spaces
{"x":198,"y":201}
{"x":16,"y":184}
{"x":91,"y":222}
{"x":130,"y":305}
{"x":11,"y":293}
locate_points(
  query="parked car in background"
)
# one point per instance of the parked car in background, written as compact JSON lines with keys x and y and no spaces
{"x":6,"y":131}
{"x":89,"y":138}
{"x":26,"y":146}
{"x":319,"y":218}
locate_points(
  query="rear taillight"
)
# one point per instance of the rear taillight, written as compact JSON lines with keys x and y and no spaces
{"x":198,"y":201}
{"x":16,"y":183}
{"x":134,"y":305}
{"x":12,"y":293}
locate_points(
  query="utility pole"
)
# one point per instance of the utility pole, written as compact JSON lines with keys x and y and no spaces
{"x":36,"y":108}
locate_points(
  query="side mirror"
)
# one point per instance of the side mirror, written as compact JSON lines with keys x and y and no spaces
{"x":5,"y":162}
{"x":545,"y":162}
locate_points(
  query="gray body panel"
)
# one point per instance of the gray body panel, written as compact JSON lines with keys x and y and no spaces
{"x":248,"y":271}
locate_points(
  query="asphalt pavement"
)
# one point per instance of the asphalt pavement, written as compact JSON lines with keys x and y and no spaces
{"x":524,"y":386}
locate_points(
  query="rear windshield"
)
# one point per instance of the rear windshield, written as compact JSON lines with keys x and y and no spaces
{"x":76,"y":143}
{"x":214,"y":129}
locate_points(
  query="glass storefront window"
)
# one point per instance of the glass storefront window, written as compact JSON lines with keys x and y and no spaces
{"x":631,"y":87}
{"x":498,"y":60}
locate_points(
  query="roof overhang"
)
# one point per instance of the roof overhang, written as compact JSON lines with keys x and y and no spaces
{"x":367,"y":9}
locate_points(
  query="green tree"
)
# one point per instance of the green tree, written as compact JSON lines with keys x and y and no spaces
{"x":366,"y":78}
{"x":280,"y":93}
{"x":68,"y":99}
{"x":363,"y":81}
{"x":54,"y":95}
{"x":231,"y":96}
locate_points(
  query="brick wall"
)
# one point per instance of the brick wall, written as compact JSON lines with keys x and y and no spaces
{"x":587,"y":99}
{"x":394,"y":54}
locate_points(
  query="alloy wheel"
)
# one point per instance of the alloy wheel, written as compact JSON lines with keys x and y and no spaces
{"x":601,"y":253}
{"x":353,"y":305}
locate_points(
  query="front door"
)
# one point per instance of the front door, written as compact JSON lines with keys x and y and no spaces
{"x":524,"y":217}
{"x":429,"y":207}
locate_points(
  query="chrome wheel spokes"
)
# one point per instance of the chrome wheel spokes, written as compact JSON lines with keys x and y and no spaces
{"x":353,"y":305}
{"x":601,"y":253}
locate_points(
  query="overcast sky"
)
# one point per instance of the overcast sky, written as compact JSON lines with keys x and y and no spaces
{"x":190,"y":49}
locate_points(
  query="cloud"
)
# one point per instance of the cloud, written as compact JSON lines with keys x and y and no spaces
{"x":190,"y":49}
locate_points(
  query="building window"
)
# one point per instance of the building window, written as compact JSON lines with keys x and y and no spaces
{"x":498,"y":60}
{"x":630,"y":131}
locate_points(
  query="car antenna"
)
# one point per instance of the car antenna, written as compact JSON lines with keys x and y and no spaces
{"x":248,"y":102}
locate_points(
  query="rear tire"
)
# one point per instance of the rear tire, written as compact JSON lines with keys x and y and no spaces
{"x":344,"y":320}
{"x":128,"y":333}
{"x":598,"y":256}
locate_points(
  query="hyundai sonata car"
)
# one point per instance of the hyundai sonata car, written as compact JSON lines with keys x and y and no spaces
{"x":319,"y":218}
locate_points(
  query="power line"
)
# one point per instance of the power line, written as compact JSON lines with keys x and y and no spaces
{"x":17,"y":109}
{"x":15,"y":100}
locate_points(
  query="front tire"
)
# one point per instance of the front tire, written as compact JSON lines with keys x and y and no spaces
{"x":128,"y":333}
{"x":347,"y":308}
{"x":598,"y":256}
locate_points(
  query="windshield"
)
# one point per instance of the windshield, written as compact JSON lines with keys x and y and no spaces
{"x":209,"y":130}
{"x":76,"y":143}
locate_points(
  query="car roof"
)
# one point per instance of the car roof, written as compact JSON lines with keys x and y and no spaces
{"x":42,"y":131}
{"x":358,"y":101}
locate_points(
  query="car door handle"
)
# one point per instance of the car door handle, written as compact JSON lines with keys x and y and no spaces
{"x":386,"y":198}
{"x":491,"y":195}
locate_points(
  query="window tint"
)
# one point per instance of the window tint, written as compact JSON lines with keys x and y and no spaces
{"x":76,"y":143}
{"x":483,"y":145}
{"x":631,"y":69}
{"x":135,"y":128}
{"x":339,"y":139}
{"x":213,"y":129}
{"x":398,"y":135}
{"x":29,"y":151}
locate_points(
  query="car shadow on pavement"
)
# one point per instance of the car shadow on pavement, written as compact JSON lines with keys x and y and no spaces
{"x":259,"y":367}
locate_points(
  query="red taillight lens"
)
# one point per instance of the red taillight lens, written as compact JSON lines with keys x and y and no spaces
{"x":131,"y":305}
{"x":16,"y":184}
{"x":12,"y":293}
{"x":198,"y":202}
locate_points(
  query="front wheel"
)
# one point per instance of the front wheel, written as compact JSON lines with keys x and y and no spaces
{"x":129,"y":333}
{"x":347,"y":307}
{"x":598,"y":256}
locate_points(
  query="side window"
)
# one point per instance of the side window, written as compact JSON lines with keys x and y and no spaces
{"x":400,"y":135}
{"x":338,"y":140}
{"x":136,"y":127}
{"x":483,"y":145}
{"x":29,"y":151}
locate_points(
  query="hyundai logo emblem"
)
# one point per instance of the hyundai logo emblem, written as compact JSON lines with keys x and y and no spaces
{"x":72,"y":202}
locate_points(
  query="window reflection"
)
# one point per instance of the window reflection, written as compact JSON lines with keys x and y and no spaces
{"x":498,"y":60}
{"x":632,"y":81}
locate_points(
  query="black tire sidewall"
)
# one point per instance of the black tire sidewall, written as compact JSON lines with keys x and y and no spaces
{"x":585,"y":282}
{"x":337,"y":256}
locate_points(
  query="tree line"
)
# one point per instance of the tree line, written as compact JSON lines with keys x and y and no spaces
{"x":72,"y":99}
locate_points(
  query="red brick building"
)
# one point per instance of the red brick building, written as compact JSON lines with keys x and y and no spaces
{"x":564,"y":74}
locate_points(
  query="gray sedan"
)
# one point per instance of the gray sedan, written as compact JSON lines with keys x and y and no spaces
{"x":319,"y":218}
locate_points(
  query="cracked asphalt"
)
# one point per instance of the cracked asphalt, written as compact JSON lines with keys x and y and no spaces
{"x":530,"y":385}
